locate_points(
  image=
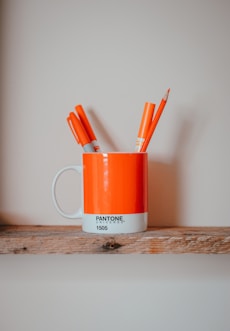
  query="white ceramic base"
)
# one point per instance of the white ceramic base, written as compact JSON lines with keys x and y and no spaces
{"x":113,"y":223}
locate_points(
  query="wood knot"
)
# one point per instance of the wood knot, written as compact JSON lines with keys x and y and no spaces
{"x":111,"y":245}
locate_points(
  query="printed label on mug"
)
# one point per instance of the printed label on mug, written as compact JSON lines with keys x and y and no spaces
{"x":126,"y":223}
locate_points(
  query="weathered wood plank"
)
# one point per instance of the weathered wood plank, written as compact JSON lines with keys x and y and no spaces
{"x":71,"y":240}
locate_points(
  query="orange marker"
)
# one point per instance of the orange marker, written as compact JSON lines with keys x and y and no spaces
{"x":155,"y":121}
{"x":85,"y":122}
{"x":145,"y":124}
{"x":79,"y":133}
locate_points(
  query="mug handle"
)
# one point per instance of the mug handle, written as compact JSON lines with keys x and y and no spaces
{"x":78,"y":213}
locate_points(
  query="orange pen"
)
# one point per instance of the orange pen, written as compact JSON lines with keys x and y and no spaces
{"x":88,"y":128}
{"x":155,"y":121}
{"x":145,"y":124}
{"x":79,"y":132}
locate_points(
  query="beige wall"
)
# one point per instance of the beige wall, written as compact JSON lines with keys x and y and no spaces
{"x":112,"y":57}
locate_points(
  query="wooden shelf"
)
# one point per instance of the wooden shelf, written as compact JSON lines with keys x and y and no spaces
{"x":71,"y":240}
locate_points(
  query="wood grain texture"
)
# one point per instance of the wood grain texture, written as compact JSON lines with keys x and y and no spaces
{"x":71,"y":240}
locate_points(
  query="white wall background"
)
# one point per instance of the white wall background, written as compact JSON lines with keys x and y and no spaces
{"x":112,"y":57}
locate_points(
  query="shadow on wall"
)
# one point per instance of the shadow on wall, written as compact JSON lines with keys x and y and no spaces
{"x":166,"y":179}
{"x":14,"y":219}
{"x":164,"y":193}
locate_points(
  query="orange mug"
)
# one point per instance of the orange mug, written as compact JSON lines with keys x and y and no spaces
{"x":115,"y":192}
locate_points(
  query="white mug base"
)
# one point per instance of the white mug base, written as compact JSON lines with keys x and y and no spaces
{"x":115,"y":223}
